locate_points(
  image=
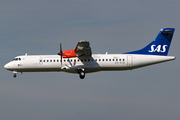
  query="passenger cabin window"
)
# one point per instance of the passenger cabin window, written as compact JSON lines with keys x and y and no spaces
{"x":44,"y":60}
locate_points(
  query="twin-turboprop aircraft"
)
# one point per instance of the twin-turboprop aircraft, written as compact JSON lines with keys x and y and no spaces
{"x":81,"y":60}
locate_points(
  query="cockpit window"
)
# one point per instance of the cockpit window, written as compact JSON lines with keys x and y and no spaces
{"x":16,"y":59}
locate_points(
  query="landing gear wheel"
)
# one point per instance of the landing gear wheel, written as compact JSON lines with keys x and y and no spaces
{"x":82,"y":74}
{"x":14,"y":75}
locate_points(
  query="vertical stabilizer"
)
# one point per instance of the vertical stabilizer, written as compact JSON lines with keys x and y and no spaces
{"x":160,"y":46}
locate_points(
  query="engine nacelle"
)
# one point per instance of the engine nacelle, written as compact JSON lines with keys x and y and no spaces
{"x":69,"y":53}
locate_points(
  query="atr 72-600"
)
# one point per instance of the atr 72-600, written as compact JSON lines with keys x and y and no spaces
{"x":81,"y":60}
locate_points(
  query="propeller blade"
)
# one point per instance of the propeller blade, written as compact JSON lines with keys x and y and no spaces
{"x":60,"y":48}
{"x":60,"y":53}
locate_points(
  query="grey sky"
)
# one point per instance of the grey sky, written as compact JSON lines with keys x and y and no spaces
{"x":37,"y":27}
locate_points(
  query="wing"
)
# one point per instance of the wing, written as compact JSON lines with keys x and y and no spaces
{"x":83,"y":49}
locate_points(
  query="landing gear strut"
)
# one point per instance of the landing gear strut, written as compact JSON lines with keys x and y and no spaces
{"x":81,"y":73}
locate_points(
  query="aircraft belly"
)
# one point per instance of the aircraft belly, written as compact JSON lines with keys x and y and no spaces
{"x":115,"y":68}
{"x":88,"y":68}
{"x":38,"y":69}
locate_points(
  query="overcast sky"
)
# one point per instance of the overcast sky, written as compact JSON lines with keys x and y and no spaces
{"x":113,"y":26}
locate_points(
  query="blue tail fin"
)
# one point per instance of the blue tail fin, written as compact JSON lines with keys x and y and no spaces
{"x":160,"y":46}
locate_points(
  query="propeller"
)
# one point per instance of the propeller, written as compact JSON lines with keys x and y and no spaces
{"x":60,"y":53}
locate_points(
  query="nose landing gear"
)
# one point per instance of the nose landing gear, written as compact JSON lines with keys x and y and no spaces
{"x":14,"y":74}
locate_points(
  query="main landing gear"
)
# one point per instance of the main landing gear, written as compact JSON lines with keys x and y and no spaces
{"x":81,"y":73}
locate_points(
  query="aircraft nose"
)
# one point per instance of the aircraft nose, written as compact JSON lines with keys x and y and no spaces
{"x":6,"y":66}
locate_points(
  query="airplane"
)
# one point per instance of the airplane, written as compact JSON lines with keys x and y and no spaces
{"x":81,"y":60}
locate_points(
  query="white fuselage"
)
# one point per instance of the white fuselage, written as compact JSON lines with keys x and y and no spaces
{"x":98,"y":62}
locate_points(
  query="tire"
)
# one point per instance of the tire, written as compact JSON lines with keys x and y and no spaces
{"x":14,"y":75}
{"x":82,"y":74}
